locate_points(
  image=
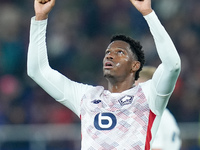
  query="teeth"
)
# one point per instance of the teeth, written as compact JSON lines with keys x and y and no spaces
{"x":108,"y":64}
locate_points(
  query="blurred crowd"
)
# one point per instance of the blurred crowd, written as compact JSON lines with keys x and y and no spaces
{"x":78,"y":34}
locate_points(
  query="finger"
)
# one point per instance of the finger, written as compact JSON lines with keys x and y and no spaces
{"x":42,"y":1}
{"x":52,"y":2}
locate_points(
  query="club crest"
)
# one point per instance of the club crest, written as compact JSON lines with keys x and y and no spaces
{"x":126,"y":100}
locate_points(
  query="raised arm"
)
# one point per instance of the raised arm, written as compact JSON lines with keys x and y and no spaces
{"x":62,"y":89}
{"x":167,"y":73}
{"x":165,"y":76}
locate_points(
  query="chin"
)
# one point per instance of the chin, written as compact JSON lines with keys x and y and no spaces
{"x":106,"y":75}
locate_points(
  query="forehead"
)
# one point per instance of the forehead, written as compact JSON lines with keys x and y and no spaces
{"x":119,"y":44}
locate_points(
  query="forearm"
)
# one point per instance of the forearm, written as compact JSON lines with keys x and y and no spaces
{"x":37,"y":53}
{"x":165,"y":47}
{"x":167,"y":73}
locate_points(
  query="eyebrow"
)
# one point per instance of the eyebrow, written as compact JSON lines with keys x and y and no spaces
{"x":117,"y":48}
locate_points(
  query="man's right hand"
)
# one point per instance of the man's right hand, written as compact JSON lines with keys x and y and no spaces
{"x":43,"y":8}
{"x":143,"y":6}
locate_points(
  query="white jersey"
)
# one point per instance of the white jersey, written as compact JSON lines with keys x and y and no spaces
{"x":168,"y":134}
{"x":110,"y":121}
{"x":116,"y":120}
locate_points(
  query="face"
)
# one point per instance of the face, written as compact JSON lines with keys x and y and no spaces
{"x":118,"y":60}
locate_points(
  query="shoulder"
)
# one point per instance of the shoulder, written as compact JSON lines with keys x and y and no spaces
{"x":95,"y":90}
{"x":147,"y":88}
{"x":145,"y":84}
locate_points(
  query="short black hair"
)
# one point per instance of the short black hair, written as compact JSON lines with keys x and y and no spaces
{"x":136,"y":48}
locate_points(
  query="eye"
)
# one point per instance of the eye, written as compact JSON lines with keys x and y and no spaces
{"x":107,"y":52}
{"x":120,"y":52}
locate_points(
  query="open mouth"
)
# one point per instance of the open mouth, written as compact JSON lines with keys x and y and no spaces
{"x":108,"y":64}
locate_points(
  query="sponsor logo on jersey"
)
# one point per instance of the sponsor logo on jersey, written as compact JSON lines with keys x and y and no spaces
{"x":105,"y":121}
{"x":96,"y":101}
{"x":126,"y":100}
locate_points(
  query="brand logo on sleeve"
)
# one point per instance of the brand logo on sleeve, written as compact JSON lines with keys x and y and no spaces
{"x":105,"y":121}
{"x":126,"y":100}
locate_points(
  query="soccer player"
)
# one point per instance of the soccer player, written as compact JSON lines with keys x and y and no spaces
{"x":124,"y":116}
{"x":168,"y":134}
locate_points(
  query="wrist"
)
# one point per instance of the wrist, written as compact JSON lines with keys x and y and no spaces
{"x":146,"y":12}
{"x":41,"y":16}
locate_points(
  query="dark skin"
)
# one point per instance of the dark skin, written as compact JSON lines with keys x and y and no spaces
{"x":120,"y":66}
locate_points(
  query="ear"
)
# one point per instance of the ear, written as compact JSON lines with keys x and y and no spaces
{"x":135,"y":66}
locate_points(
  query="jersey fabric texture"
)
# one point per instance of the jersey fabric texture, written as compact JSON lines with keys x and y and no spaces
{"x":114,"y":121}
{"x":168,"y":134}
{"x":110,"y":121}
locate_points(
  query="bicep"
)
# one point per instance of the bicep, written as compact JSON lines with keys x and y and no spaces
{"x":62,"y":89}
{"x":160,"y":88}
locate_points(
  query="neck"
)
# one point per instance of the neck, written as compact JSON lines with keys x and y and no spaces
{"x":120,"y":86}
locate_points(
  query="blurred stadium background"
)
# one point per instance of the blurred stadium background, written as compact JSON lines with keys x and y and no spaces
{"x":78,"y":34}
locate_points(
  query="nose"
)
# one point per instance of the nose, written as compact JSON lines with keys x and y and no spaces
{"x":109,"y":56}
